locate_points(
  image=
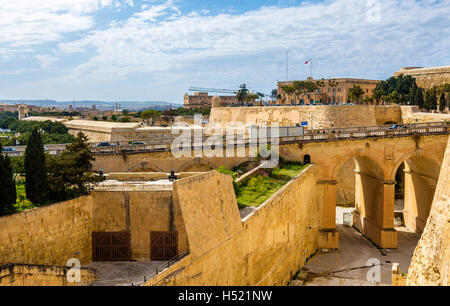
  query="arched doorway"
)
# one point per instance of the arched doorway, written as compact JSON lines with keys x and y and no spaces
{"x":306,"y":159}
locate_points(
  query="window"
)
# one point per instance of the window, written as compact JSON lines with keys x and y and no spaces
{"x":339,"y":90}
{"x":334,"y":90}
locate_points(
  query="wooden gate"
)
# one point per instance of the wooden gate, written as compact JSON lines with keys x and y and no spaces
{"x":163,"y":245}
{"x":111,"y":246}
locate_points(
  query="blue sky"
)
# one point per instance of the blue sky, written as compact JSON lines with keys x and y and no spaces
{"x":155,"y":50}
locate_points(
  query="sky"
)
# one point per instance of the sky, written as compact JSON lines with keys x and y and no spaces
{"x":151,"y":50}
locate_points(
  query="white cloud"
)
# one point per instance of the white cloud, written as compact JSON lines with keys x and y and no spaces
{"x":32,"y":22}
{"x":46,"y":60}
{"x":335,"y":33}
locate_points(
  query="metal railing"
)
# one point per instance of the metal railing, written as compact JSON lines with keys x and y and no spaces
{"x":317,"y":135}
{"x":159,"y":144}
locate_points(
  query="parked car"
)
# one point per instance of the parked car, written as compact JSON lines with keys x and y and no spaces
{"x":398,"y":127}
{"x":104,"y":144}
{"x":136,"y":143}
{"x":8,"y":149}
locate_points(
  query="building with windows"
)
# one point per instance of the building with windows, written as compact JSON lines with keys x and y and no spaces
{"x":202,"y":99}
{"x":327,"y":94}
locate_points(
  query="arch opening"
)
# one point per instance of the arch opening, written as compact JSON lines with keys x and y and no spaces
{"x":416,"y":180}
{"x":306,"y":159}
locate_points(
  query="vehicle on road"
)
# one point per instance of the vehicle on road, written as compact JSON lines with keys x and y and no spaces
{"x":398,"y":127}
{"x":8,"y":149}
{"x":136,"y":143}
{"x":105,"y":144}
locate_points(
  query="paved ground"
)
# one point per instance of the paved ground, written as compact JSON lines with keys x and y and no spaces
{"x":348,"y":265}
{"x":123,"y":273}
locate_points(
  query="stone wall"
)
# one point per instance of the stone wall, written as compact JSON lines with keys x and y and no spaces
{"x":53,"y":234}
{"x":139,"y":212}
{"x":39,"y":275}
{"x":318,"y":116}
{"x":267,"y":247}
{"x":427,"y":77}
{"x":411,"y":114}
{"x":430,"y":264}
{"x":165,"y":162}
{"x":48,"y":235}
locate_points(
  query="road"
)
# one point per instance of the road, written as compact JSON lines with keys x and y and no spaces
{"x":347,"y":266}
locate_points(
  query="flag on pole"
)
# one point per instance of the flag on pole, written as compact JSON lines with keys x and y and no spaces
{"x":307,"y":62}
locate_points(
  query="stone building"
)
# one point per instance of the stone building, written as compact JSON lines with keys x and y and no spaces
{"x":427,"y":77}
{"x":328,"y":94}
{"x":202,"y":99}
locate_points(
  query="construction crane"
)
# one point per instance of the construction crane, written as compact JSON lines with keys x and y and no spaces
{"x":215,"y":90}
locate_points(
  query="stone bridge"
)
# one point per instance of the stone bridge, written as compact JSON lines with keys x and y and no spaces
{"x":373,"y":162}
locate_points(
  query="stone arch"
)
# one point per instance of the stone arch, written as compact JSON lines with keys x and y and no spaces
{"x":421,"y":174}
{"x":306,"y":159}
{"x":374,"y":209}
{"x":409,"y":155}
{"x":145,"y":166}
{"x":196,"y":165}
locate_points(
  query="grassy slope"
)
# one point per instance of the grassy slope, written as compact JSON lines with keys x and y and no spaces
{"x":256,"y":190}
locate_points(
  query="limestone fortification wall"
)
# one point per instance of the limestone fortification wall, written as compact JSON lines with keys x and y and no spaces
{"x":430,"y":264}
{"x":265,"y":248}
{"x":411,"y":114}
{"x":139,"y":212}
{"x":38,"y":275}
{"x":428,"y":77}
{"x":319,"y":116}
{"x":48,"y":235}
{"x":53,"y":234}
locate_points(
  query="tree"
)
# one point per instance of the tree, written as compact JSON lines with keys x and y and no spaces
{"x":242,"y":93}
{"x":71,"y":173}
{"x":288,"y":89}
{"x":393,"y":97}
{"x":125,"y":119}
{"x":126,"y":112}
{"x":442,"y":102}
{"x":412,"y":94}
{"x":302,"y":88}
{"x":149,"y":115}
{"x":401,"y":84}
{"x":36,"y":186}
{"x":355,"y":93}
{"x":7,"y":185}
{"x":377,"y":95}
{"x":418,"y":98}
{"x":430,"y":99}
{"x":274,"y":94}
{"x":113,"y":118}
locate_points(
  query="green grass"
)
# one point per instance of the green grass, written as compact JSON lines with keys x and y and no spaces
{"x":22,"y":203}
{"x":256,"y":190}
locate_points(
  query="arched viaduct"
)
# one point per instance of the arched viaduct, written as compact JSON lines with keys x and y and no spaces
{"x":375,"y":164}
